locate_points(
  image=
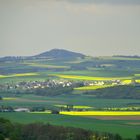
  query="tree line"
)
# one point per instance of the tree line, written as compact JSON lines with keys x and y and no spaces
{"x":117,"y":92}
{"x":49,"y":91}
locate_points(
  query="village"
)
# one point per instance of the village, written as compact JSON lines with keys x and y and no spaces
{"x":24,"y":85}
{"x":51,"y":83}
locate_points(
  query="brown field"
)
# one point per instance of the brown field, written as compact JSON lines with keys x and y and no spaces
{"x":115,"y":117}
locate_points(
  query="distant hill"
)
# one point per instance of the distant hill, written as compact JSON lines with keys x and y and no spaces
{"x":54,"y":54}
{"x":60,"y":53}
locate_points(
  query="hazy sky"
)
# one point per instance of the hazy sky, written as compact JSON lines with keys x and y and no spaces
{"x":92,"y":27}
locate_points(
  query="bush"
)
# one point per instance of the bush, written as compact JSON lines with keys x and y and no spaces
{"x":138,"y":137}
{"x":2,"y":137}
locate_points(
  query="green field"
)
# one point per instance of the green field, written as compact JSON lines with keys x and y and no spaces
{"x":122,"y":127}
{"x":45,"y":65}
{"x":82,"y":100}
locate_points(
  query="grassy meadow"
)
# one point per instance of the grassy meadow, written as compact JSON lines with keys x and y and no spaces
{"x":124,"y":127}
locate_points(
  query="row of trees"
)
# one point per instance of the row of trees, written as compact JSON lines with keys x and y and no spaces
{"x":49,"y":91}
{"x":40,"y":131}
{"x":52,"y":91}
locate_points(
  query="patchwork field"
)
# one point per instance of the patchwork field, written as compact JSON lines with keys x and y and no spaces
{"x":123,"y":127}
{"x":76,"y":100}
{"x":126,"y":123}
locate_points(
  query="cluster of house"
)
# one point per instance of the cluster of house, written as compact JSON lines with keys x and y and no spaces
{"x":53,"y":83}
{"x":36,"y":84}
{"x":10,"y":109}
{"x":53,"y":110}
{"x":36,"y":109}
{"x":20,"y":109}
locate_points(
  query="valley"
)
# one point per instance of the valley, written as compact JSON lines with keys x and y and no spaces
{"x":101,"y":93}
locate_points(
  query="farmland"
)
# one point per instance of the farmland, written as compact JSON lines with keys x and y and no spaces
{"x":76,"y":108}
{"x":48,"y":91}
{"x":79,"y":100}
{"x":92,"y":122}
{"x":45,"y":66}
{"x":91,"y":78}
{"x":18,"y":75}
{"x":113,"y":126}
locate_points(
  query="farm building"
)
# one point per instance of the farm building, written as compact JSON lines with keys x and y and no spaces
{"x":22,"y":110}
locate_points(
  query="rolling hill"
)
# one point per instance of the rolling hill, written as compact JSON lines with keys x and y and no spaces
{"x":60,"y":53}
{"x":52,"y":54}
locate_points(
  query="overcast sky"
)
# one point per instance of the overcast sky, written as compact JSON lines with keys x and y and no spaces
{"x":92,"y":27}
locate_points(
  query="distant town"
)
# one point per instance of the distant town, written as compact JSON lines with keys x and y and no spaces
{"x":54,"y":83}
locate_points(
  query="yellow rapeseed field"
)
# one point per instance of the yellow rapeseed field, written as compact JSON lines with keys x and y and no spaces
{"x":138,"y":81}
{"x":137,"y":74}
{"x":101,"y":113}
{"x":18,"y":75}
{"x":127,"y":82}
{"x":93,"y":87}
{"x":25,"y":74}
{"x":82,"y":107}
{"x":77,"y":77}
{"x":3,"y":76}
{"x":8,"y":98}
